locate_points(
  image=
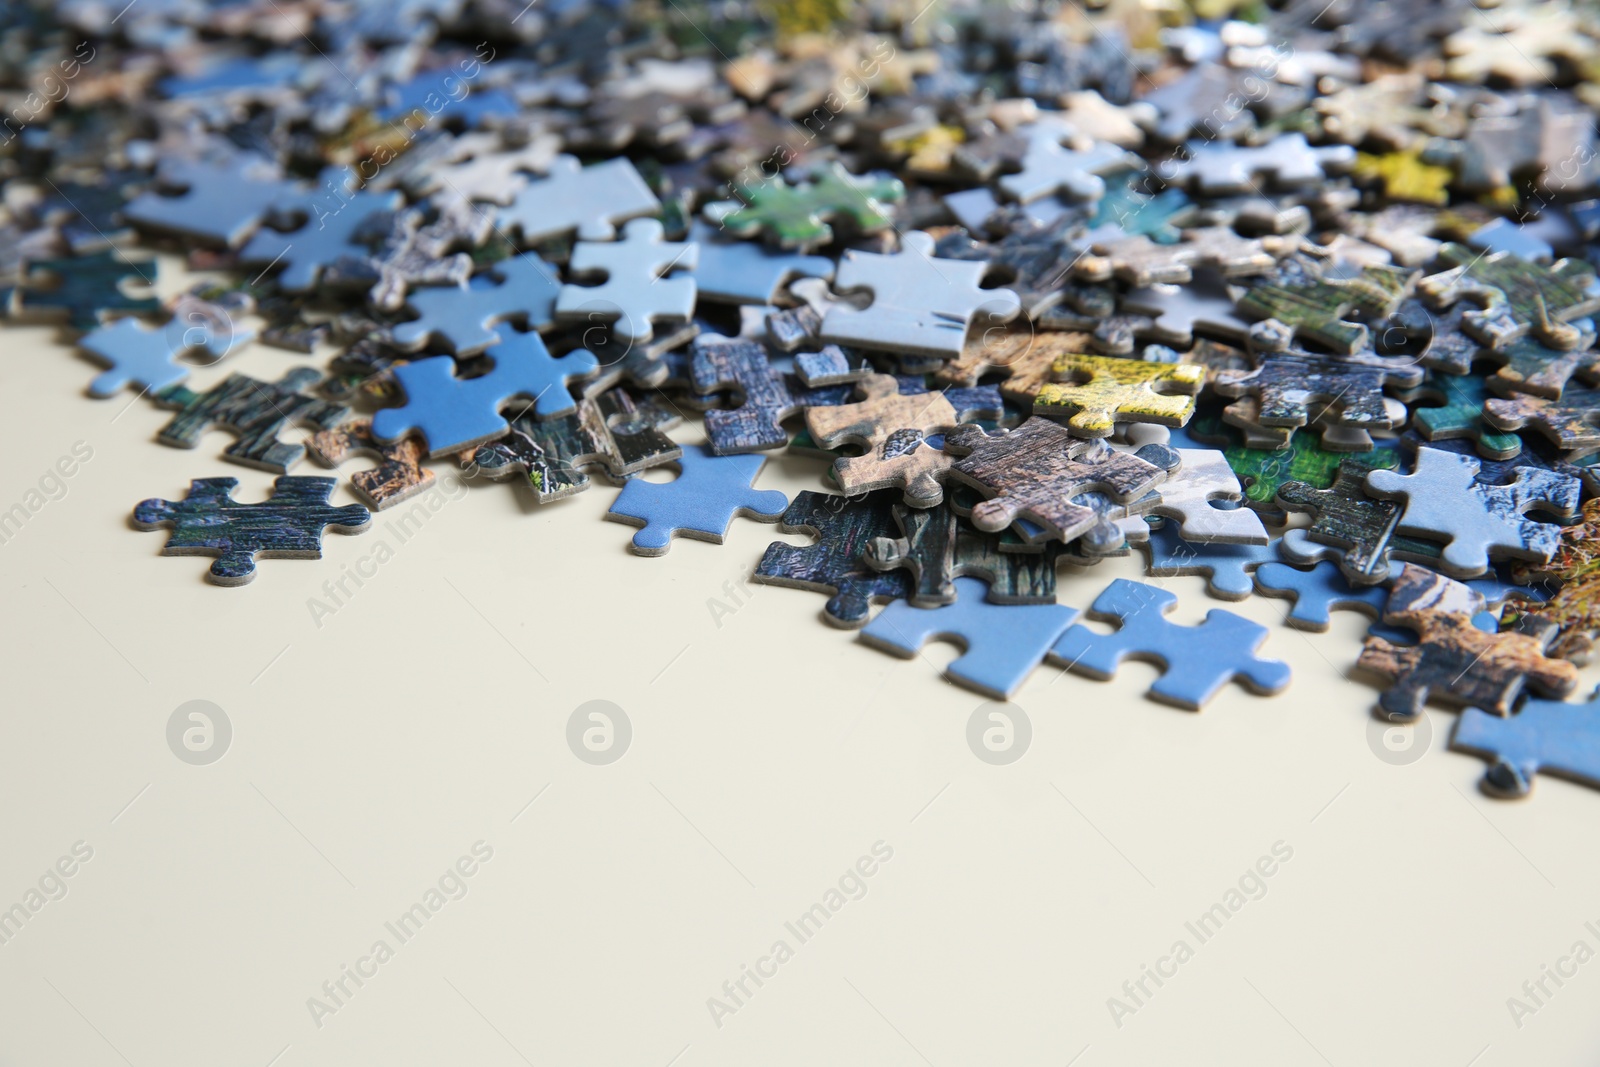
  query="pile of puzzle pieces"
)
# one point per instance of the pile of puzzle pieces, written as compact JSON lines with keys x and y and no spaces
{"x":1297,"y":300}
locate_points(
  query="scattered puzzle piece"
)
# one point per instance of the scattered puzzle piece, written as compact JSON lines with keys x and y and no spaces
{"x":331,"y":221}
{"x":845,"y":528}
{"x":1548,"y":736}
{"x":797,"y":216}
{"x":522,"y":290}
{"x":1286,"y":384}
{"x":1445,"y":501}
{"x":1306,"y":293}
{"x":588,"y":201}
{"x":1316,"y":592}
{"x":287,"y":525}
{"x":1575,"y":608}
{"x":1050,"y":169}
{"x":1196,"y":661}
{"x":147,"y":358}
{"x":1226,"y":567}
{"x":1460,"y":414}
{"x":1003,"y":642}
{"x":1362,"y":527}
{"x":398,"y":475}
{"x":1034,"y":471}
{"x":453,"y":413}
{"x":255,"y":412}
{"x":1099,"y":391}
{"x":747,"y":272}
{"x":892,"y":430}
{"x":1571,"y":423}
{"x":636,"y":291}
{"x":935,"y":547}
{"x":1515,"y":297}
{"x":700,"y":503}
{"x":1453,"y":659}
{"x":219,"y":204}
{"x":920,"y":305}
{"x":1191,"y":494}
{"x":1287,"y":160}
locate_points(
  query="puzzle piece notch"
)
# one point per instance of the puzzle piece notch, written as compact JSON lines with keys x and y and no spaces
{"x":1196,"y":661}
{"x":638,"y":289}
{"x":1571,"y":423}
{"x":1287,"y":159}
{"x":700,"y":503}
{"x":287,"y":525}
{"x":1453,"y":658}
{"x":1317,"y":592}
{"x":1139,"y":261}
{"x":1003,"y":642}
{"x":1097,"y":392}
{"x":1191,"y":494}
{"x":331,"y":221}
{"x":453,"y":413}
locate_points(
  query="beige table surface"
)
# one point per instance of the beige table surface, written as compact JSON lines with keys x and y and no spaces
{"x":428,"y":716}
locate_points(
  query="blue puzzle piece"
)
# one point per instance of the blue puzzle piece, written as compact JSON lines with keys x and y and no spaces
{"x":1552,"y":736}
{"x":439,"y":93}
{"x":220,"y":204}
{"x":748,"y":272}
{"x":700,"y":503}
{"x":1003,"y":642}
{"x":453,"y":414}
{"x":1226,"y":567}
{"x":1316,"y":592}
{"x":333,"y":215}
{"x":1197,"y":660}
{"x":521,"y":290}
{"x":149,"y":358}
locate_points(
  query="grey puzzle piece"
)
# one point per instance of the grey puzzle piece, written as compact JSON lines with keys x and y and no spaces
{"x":1176,"y":310}
{"x":747,"y":272}
{"x":637,"y":289}
{"x":1048,"y":168}
{"x":1287,"y":160}
{"x":522,"y":290}
{"x":920,"y":305}
{"x":588,"y":200}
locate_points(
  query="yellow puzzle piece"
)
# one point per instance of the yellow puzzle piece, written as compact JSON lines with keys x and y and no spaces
{"x":1100,"y":391}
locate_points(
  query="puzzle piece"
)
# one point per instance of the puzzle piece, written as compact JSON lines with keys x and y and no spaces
{"x":1024,"y":355}
{"x":1575,"y":608}
{"x":1097,"y":392}
{"x":1003,"y":642}
{"x":1286,"y":384}
{"x":588,"y":201}
{"x":1139,"y":261}
{"x":453,"y":413}
{"x":253,"y":410}
{"x":1360,"y":526}
{"x":1454,"y":659}
{"x":845,"y":528}
{"x":1034,"y":256}
{"x":935,"y":547}
{"x":700,"y":503}
{"x":1515,"y":297}
{"x":1571,"y":423}
{"x":1549,"y":736}
{"x":613,"y":431}
{"x":637,"y":290}
{"x":522,"y":290}
{"x":220,"y":204}
{"x":747,"y":272}
{"x":1034,"y":471}
{"x":332,"y":220}
{"x":1287,"y":160}
{"x":287,"y":525}
{"x":147,"y":358}
{"x":1307,"y":293}
{"x":1517,"y":43}
{"x":398,"y":475}
{"x":893,"y":430}
{"x":1226,"y":567}
{"x":767,"y":396}
{"x":1049,"y":169}
{"x":1316,"y":592}
{"x":1446,"y":501}
{"x":1190,"y":495}
{"x":797,"y":216}
{"x":1196,"y":661}
{"x":1175,"y":311}
{"x":920,"y":305}
{"x":1460,"y":415}
{"x":85,"y":288}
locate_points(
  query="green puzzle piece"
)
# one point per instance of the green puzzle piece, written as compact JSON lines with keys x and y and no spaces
{"x":1460,"y":415}
{"x":796,"y":216}
{"x":1262,"y":472}
{"x":1298,"y":295}
{"x":1516,"y":297}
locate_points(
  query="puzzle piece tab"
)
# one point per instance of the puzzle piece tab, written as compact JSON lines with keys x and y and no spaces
{"x":700,"y":503}
{"x":1549,"y":736}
